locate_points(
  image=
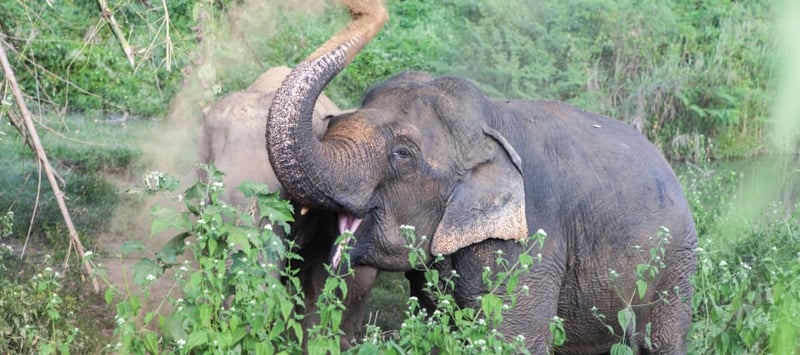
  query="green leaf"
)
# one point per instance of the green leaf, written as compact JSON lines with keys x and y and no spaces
{"x":145,"y":271}
{"x":172,"y":249}
{"x":131,"y":246}
{"x":239,"y":236}
{"x":641,"y":287}
{"x":151,"y":342}
{"x":621,"y":349}
{"x":491,"y":303}
{"x":368,"y":349}
{"x":626,"y":318}
{"x":166,"y":218}
{"x":278,"y":211}
{"x":108,"y":295}
{"x":196,"y":338}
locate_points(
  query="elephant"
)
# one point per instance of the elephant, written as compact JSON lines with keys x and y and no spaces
{"x":227,"y":140}
{"x":476,"y":174}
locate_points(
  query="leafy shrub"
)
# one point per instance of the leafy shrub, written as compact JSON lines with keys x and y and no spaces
{"x":746,"y":284}
{"x":68,"y":56}
{"x":38,"y":314}
{"x":232,"y":294}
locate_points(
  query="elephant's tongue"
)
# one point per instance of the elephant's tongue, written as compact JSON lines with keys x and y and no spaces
{"x":347,"y":224}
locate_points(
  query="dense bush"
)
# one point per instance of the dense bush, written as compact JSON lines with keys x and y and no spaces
{"x":694,"y":76}
{"x":746,"y":285}
{"x":66,"y":56}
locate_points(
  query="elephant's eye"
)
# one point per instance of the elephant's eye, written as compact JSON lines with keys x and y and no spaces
{"x":401,"y":153}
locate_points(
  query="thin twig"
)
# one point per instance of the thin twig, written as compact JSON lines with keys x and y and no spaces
{"x":33,"y":213}
{"x":108,"y":15}
{"x":167,"y":38}
{"x":42,"y":156}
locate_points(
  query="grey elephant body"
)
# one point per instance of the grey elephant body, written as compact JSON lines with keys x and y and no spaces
{"x":475,"y":174}
{"x":600,"y":191}
{"x":232,"y":140}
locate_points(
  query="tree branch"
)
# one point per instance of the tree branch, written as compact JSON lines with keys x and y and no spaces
{"x":42,"y":157}
{"x":108,"y":16}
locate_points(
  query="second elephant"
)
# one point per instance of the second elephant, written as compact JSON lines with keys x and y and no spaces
{"x":232,"y":140}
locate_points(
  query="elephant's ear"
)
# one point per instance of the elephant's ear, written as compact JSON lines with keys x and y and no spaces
{"x":488,"y":203}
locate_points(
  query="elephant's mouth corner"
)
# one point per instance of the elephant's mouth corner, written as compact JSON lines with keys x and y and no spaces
{"x":348,"y":224}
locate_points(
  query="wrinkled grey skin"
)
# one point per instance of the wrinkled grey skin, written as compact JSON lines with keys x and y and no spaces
{"x":232,"y":140}
{"x":474,"y":174}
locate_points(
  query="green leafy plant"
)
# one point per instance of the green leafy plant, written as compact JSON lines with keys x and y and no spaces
{"x":453,"y":329}
{"x":648,"y":267}
{"x":38,"y":314}
{"x":229,"y":295}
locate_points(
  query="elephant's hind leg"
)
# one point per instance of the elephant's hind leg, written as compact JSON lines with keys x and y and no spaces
{"x":671,"y":314}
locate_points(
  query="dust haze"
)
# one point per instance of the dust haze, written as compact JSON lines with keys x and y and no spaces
{"x":227,"y":46}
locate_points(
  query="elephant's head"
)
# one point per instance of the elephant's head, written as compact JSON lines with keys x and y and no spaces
{"x":418,"y":152}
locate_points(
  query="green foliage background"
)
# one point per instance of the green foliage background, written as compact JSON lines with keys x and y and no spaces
{"x":695,"y":76}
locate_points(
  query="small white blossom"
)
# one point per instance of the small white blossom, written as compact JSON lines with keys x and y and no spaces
{"x":87,"y":254}
{"x":723,"y":263}
{"x":268,"y":226}
{"x":408,"y":228}
{"x":747,"y":267}
{"x":542,"y":232}
{"x":181,"y":343}
{"x":150,"y":277}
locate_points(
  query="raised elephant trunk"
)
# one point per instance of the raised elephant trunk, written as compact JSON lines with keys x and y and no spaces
{"x":304,"y":165}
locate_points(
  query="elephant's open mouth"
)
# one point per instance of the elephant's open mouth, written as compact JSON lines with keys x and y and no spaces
{"x":348,"y":223}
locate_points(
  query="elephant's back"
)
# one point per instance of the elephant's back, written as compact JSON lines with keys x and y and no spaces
{"x":596,"y":179}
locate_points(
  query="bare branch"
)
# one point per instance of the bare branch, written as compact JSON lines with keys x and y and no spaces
{"x":42,"y":156}
{"x":108,"y":15}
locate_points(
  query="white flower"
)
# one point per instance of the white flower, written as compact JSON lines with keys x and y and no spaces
{"x":87,"y":254}
{"x":268,"y":226}
{"x":150,"y":277}
{"x":747,"y":267}
{"x":542,"y":232}
{"x":723,"y":263}
{"x":181,"y":343}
